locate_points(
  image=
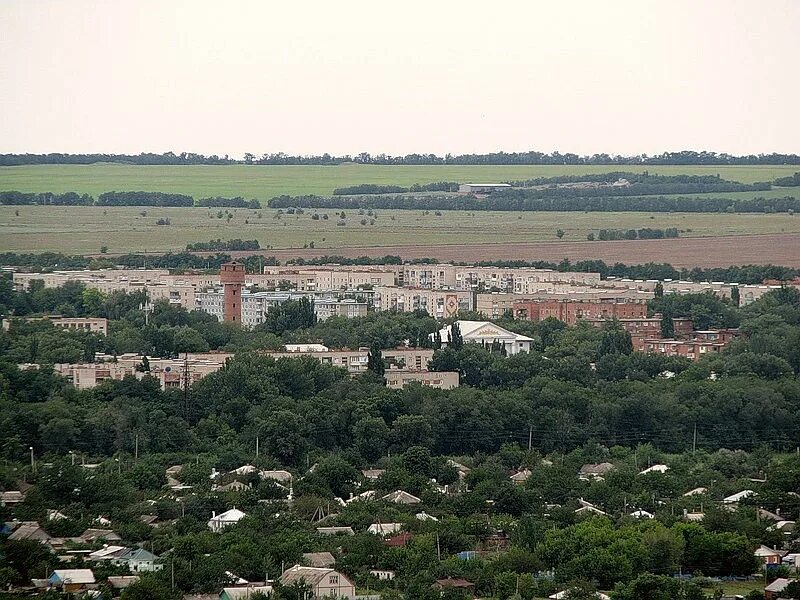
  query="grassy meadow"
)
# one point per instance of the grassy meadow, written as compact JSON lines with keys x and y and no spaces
{"x":80,"y":229}
{"x":264,"y":181}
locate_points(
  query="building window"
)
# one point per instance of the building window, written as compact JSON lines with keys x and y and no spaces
{"x":334,"y":580}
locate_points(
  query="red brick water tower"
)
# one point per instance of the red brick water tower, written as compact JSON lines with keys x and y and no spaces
{"x":231,"y":275}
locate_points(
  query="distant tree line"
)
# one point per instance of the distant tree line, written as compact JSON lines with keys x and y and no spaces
{"x":371,"y":188}
{"x":633,"y":178}
{"x":237,"y":202}
{"x":634,"y":234}
{"x":143,"y":199}
{"x":218,"y":244}
{"x":684,"y":157}
{"x":517,"y":200}
{"x":123,"y":199}
{"x":66,"y":199}
{"x":175,"y":261}
{"x":792,"y":180}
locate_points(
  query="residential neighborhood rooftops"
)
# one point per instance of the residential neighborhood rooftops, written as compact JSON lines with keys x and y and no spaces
{"x":738,"y":497}
{"x":319,"y":559}
{"x":335,"y":531}
{"x":242,"y":593}
{"x":73,"y":576}
{"x":778,"y":585}
{"x":401,"y":497}
{"x":29,"y":530}
{"x":654,"y":469}
{"x":311,"y":575}
{"x":11,"y":497}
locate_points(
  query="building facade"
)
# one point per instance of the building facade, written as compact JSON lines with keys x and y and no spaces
{"x":439,"y":304}
{"x":443,"y":380}
{"x":488,"y":334}
{"x":570,"y":312}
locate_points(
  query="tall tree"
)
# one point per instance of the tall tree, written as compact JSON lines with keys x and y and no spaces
{"x":667,"y":325}
{"x":375,"y":360}
{"x":456,"y":341}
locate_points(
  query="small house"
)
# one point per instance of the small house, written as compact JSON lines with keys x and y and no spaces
{"x":218,"y":522}
{"x":71,"y":580}
{"x":243,"y":593}
{"x":325,"y":583}
{"x":384,"y":528}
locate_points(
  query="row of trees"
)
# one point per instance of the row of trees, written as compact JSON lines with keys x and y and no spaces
{"x":526,"y":200}
{"x":790,"y":181}
{"x":371,"y":188}
{"x":685,"y":157}
{"x":46,"y":198}
{"x":237,"y":202}
{"x":123,"y":199}
{"x":227,"y":245}
{"x":634,"y":234}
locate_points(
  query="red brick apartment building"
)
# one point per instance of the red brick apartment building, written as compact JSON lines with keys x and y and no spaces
{"x":570,"y":312}
{"x":703,"y":342}
{"x":650,"y":327}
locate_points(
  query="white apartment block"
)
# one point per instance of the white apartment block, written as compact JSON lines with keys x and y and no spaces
{"x":442,"y":276}
{"x":439,"y":304}
{"x":256,"y":305}
{"x":331,"y":278}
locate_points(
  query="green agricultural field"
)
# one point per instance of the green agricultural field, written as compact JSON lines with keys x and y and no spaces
{"x":264,"y":182}
{"x":78,"y":229}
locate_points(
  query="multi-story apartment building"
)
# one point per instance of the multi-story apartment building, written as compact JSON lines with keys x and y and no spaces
{"x":355,"y":361}
{"x":440,"y":304}
{"x":171,"y":373}
{"x":748,"y":293}
{"x":94,"y":325}
{"x":496,"y":305}
{"x":523,"y":280}
{"x":255,"y":306}
{"x":443,"y":380}
{"x":91,"y":324}
{"x":703,"y":342}
{"x":335,"y":307}
{"x":330,"y":278}
{"x":650,"y":327}
{"x":570,"y":312}
{"x":90,"y":278}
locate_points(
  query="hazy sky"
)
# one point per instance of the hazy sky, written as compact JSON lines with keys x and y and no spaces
{"x":398,"y":77}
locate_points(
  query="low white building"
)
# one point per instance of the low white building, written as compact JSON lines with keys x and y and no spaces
{"x":384,"y":528}
{"x":487,"y":333}
{"x":218,"y":522}
{"x":654,"y":469}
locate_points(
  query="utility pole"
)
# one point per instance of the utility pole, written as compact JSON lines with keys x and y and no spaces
{"x":172,"y":563}
{"x":694,"y":439}
{"x":33,"y":461}
{"x":438,"y":548}
{"x":530,"y":438}
{"x":256,"y":446}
